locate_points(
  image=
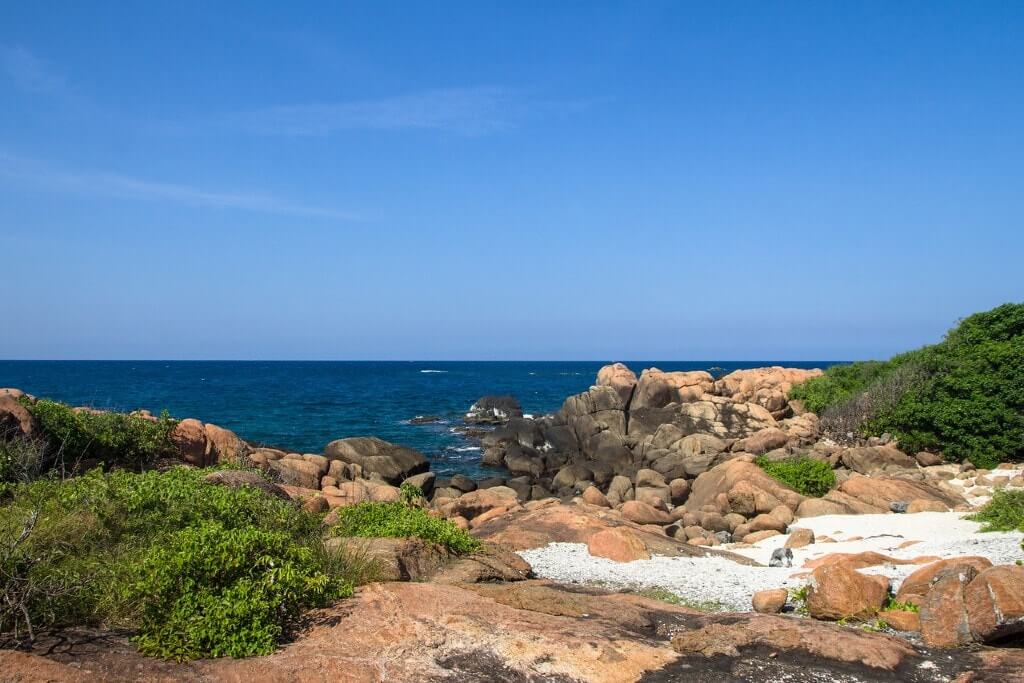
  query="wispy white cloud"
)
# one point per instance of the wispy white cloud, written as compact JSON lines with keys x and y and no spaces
{"x":113,"y":185}
{"x":30,"y":73}
{"x":468,"y":111}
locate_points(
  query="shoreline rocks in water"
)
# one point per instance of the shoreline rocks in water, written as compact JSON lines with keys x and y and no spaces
{"x":493,"y":410}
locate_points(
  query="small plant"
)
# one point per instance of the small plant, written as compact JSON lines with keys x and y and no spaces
{"x":875,"y":626}
{"x":665,"y":595}
{"x":410,"y":493}
{"x":892,"y":605}
{"x":398,"y":520}
{"x":798,"y":597}
{"x":1005,"y":512}
{"x":804,"y":475}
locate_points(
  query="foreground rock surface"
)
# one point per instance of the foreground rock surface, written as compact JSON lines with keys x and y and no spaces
{"x":529,"y":631}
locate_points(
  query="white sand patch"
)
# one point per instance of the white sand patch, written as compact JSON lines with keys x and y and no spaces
{"x":731,"y":585}
{"x":940,"y":534}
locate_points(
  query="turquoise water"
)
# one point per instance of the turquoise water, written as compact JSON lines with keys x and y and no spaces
{"x":304,"y":405}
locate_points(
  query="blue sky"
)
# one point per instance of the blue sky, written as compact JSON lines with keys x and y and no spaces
{"x":506,"y":180}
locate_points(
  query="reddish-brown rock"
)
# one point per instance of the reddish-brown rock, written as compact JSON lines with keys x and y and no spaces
{"x":593,"y":496}
{"x":620,"y":378}
{"x":995,"y":603}
{"x":916,"y":585}
{"x":770,"y":601}
{"x":619,"y":544}
{"x":15,"y":419}
{"x":767,"y":387}
{"x":225,"y":446}
{"x":644,"y":513}
{"x":901,"y":620}
{"x":943,"y":612}
{"x":762,"y":441}
{"x":477,"y":502}
{"x":799,"y":538}
{"x":837,"y":592}
{"x":189,"y":438}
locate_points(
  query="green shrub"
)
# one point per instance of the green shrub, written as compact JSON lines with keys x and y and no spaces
{"x":804,"y":475}
{"x":109,"y":437}
{"x":398,"y":520}
{"x":1005,"y":512}
{"x":838,"y":384}
{"x":196,"y":569}
{"x":410,"y":493}
{"x":963,"y":396}
{"x":215,"y":591}
{"x":893,"y":605}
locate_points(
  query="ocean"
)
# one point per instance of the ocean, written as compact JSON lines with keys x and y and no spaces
{"x":302,"y":405}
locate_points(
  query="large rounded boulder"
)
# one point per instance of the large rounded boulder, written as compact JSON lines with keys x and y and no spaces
{"x":393,"y":463}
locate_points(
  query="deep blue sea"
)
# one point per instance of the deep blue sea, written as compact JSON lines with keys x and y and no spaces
{"x":304,"y":405}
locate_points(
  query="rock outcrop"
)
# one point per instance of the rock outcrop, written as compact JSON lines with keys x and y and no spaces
{"x":391,"y":462}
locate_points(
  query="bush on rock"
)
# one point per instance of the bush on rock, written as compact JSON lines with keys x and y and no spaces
{"x":804,"y":475}
{"x":117,"y":438}
{"x":196,"y":569}
{"x":963,"y":396}
{"x":401,"y":520}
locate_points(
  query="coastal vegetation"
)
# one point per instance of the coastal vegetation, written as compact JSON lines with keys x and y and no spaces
{"x":194,"y":569}
{"x":82,"y":435}
{"x":1004,"y":512}
{"x":806,"y":476}
{"x":402,"y":520}
{"x":962,"y":397}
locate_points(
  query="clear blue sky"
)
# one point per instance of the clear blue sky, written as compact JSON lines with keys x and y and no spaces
{"x":519,"y":180}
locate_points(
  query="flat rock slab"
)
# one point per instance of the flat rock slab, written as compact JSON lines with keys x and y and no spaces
{"x":527,"y":632}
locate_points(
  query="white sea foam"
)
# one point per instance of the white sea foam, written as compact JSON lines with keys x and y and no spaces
{"x":435,"y":371}
{"x":465,"y":449}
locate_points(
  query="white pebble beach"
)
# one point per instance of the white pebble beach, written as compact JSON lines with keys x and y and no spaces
{"x":710,"y":581}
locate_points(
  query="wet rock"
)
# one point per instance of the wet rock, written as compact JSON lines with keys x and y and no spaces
{"x":493,"y":410}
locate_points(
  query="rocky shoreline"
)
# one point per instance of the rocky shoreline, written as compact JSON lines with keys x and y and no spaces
{"x":635,"y":479}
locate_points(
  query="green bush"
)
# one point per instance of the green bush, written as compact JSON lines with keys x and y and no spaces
{"x":215,"y":591}
{"x":196,"y":569}
{"x":838,"y":384}
{"x":399,"y":520}
{"x":963,"y":396}
{"x":1005,"y":512}
{"x":804,"y":475}
{"x":108,"y":437}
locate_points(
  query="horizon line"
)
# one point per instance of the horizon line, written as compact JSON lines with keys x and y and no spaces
{"x":413,"y":360}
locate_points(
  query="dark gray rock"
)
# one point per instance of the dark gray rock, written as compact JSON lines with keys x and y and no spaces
{"x":393,"y":463}
{"x":494,"y":410}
